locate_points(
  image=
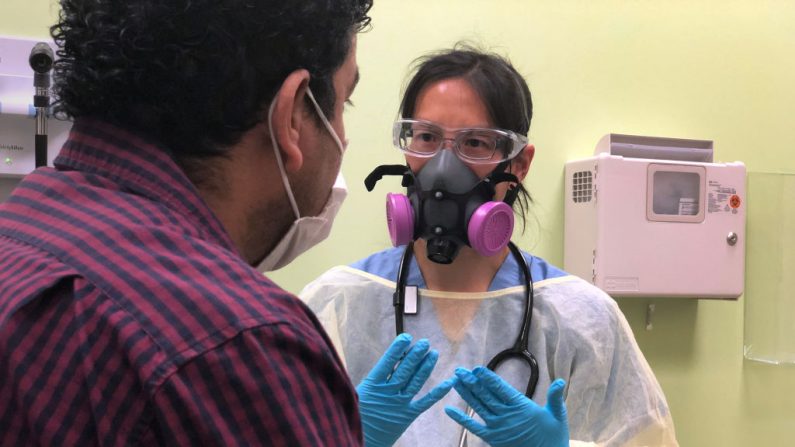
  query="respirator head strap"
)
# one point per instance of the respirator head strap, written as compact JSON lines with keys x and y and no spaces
{"x":513,"y":190}
{"x":380,"y":171}
{"x":499,"y":175}
{"x":511,"y":195}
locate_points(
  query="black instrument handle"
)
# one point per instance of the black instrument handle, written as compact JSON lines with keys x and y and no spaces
{"x":41,"y":150}
{"x":399,"y":296}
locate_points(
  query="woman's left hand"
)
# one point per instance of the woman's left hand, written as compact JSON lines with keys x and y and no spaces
{"x":512,"y":420}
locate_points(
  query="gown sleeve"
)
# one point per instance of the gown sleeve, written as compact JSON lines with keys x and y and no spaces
{"x":613,"y":397}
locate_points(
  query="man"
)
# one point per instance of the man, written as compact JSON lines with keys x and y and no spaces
{"x":129,"y":309}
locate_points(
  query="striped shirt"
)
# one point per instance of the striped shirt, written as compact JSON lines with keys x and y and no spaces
{"x":127,"y":317}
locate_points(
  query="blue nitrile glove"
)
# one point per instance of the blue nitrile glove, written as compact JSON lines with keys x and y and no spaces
{"x":385,"y":395}
{"x":512,"y":420}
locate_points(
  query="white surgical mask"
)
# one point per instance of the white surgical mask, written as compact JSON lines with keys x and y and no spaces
{"x":306,"y":231}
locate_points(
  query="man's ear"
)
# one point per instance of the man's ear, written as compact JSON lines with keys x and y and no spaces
{"x":521,"y":164}
{"x":289,"y":116}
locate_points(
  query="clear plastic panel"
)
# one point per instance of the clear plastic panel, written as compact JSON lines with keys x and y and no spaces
{"x":676,"y":193}
{"x":770,"y":269}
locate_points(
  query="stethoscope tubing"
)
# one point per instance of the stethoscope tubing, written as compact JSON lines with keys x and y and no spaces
{"x":520,"y":348}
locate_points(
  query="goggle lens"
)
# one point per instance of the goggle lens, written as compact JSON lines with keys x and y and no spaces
{"x":424,"y":139}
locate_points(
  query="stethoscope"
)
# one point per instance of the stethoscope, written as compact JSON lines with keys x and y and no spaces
{"x":519,"y":350}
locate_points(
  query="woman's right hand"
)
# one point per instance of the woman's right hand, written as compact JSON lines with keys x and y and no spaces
{"x":512,"y":419}
{"x":385,"y":395}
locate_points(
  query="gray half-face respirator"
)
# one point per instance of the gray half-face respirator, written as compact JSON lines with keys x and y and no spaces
{"x":449,"y":206}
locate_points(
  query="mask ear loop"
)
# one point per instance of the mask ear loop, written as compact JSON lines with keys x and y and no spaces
{"x":326,"y":122}
{"x":278,"y":153}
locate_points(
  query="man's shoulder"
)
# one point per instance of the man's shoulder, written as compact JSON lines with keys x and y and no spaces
{"x":183,"y":286}
{"x":201,"y":303}
{"x":211,"y":290}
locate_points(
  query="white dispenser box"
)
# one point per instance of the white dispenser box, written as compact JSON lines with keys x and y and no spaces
{"x":655,"y":217}
{"x":17,"y":115}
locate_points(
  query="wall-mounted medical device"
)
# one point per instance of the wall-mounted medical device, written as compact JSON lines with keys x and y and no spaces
{"x":18,"y":124}
{"x":655,"y":217}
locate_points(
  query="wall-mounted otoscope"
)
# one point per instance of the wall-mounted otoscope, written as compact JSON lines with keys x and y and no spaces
{"x":41,"y":59}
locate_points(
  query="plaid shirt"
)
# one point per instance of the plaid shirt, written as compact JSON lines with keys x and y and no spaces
{"x":128,"y":317}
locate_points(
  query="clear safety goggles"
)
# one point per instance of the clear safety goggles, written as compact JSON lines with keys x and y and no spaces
{"x":476,"y":145}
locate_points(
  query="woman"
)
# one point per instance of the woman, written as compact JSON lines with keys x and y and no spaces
{"x":465,"y":117}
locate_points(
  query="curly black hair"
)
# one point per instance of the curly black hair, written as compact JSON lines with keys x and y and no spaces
{"x":195,"y":75}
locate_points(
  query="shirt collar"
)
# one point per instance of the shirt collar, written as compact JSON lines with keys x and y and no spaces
{"x":142,"y":167}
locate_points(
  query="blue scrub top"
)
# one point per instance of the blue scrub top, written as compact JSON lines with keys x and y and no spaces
{"x":386,"y":264}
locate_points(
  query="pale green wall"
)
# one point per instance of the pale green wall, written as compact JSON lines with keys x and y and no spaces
{"x":720,"y":70}
{"x":27,"y":18}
